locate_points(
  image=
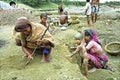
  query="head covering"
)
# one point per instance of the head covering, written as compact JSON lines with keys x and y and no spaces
{"x":88,"y":32}
{"x":95,"y":38}
{"x":93,"y":34}
{"x":22,"y":23}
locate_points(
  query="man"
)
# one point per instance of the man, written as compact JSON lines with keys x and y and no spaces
{"x":95,"y":9}
{"x":43,"y":18}
{"x":43,"y":21}
{"x":64,"y":20}
{"x":30,"y":34}
{"x":60,"y":9}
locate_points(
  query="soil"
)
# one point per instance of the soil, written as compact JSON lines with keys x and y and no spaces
{"x":12,"y":62}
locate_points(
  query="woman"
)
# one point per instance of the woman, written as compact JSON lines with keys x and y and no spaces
{"x":92,"y":47}
{"x":94,"y":50}
{"x":30,"y":34}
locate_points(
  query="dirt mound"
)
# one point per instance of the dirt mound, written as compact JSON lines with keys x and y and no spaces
{"x":12,"y":66}
{"x":60,"y":68}
{"x":107,"y":16}
{"x":8,"y":17}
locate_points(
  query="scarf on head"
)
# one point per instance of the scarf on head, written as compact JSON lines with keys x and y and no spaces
{"x":93,"y":35}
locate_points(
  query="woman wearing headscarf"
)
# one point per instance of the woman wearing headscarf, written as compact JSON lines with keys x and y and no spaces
{"x":94,"y":50}
{"x":92,"y":47}
{"x":30,"y":34}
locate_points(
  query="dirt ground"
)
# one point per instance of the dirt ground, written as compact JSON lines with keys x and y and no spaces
{"x":12,"y":64}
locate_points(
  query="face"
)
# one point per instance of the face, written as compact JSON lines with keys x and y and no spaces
{"x":87,"y":38}
{"x":78,"y":42}
{"x":43,"y":19}
{"x":26,"y":31}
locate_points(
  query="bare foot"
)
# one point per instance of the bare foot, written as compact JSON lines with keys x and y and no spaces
{"x":43,"y":60}
{"x":47,"y":59}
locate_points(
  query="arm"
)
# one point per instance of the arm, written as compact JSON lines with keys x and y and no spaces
{"x":80,"y":47}
{"x":89,"y":45}
{"x":27,"y":51}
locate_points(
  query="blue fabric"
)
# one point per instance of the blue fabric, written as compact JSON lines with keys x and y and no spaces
{"x":46,"y":51}
{"x":95,"y":9}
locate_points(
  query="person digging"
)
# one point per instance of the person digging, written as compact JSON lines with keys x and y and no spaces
{"x":30,"y":34}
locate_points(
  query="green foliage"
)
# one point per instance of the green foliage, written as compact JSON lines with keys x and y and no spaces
{"x":116,"y":3}
{"x":41,"y":3}
{"x":32,"y":3}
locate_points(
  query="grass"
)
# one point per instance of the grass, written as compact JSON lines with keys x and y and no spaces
{"x":48,"y":6}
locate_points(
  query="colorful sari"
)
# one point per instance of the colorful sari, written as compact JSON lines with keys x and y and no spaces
{"x":96,"y":60}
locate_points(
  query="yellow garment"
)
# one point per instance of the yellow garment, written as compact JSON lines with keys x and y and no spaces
{"x":36,"y":33}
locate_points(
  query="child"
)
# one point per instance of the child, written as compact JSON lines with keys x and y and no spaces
{"x":94,"y":50}
{"x":88,"y":11}
{"x":78,"y":38}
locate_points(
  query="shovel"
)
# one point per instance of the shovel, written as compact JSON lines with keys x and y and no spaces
{"x":29,"y":60}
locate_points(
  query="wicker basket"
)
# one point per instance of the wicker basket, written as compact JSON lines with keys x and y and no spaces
{"x":113,"y":48}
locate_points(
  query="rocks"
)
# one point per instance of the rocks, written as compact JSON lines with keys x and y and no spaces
{"x":9,"y":17}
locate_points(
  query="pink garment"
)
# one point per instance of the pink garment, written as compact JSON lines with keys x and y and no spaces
{"x":94,"y":37}
{"x":95,"y":54}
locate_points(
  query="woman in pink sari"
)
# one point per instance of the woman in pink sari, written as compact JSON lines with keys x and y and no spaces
{"x":92,"y":47}
{"x":95,"y":53}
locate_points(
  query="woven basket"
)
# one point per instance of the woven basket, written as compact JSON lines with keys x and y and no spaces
{"x":113,"y":48}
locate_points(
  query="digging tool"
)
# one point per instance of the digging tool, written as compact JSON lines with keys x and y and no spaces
{"x":29,"y":60}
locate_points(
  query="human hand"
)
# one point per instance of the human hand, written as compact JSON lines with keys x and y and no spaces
{"x":78,"y":42}
{"x":29,"y":57}
{"x":39,"y":42}
{"x":78,"y":48}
